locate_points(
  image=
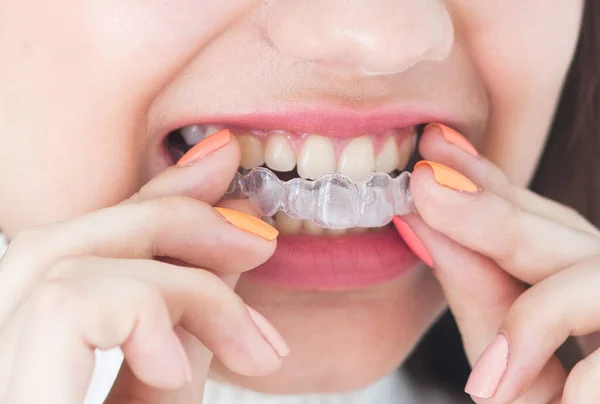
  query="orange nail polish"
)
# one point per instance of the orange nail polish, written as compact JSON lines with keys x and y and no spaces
{"x":448,"y":177}
{"x":249,"y":223}
{"x":456,"y":138}
{"x":205,"y":146}
{"x":412,"y":241}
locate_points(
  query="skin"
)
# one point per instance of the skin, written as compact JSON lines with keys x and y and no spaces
{"x":90,"y":89}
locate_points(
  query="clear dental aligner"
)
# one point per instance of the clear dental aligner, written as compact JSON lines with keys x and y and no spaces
{"x":333,"y":201}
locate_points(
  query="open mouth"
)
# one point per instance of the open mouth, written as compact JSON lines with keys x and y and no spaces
{"x":286,"y":147}
{"x":288,"y":156}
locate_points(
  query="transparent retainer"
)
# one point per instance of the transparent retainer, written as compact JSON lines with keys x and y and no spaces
{"x":333,"y":201}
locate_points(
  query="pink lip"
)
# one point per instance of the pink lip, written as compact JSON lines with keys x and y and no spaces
{"x":347,"y":262}
{"x":330,"y":121}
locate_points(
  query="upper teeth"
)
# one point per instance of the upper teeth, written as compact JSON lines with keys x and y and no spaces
{"x":316,"y":155}
{"x":194,"y":133}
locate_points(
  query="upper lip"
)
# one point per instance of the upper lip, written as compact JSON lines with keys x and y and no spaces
{"x":330,"y":120}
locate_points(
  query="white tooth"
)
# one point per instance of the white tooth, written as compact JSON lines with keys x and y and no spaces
{"x":312,"y":228}
{"x":212,"y":129}
{"x":279,"y":154}
{"x":336,"y":232}
{"x":358,"y":229}
{"x":388,"y":158}
{"x":269,"y":220}
{"x":358,"y":158}
{"x":317,"y":157}
{"x":253,"y":153}
{"x":193,"y":134}
{"x":405,"y":150}
{"x":286,"y":224}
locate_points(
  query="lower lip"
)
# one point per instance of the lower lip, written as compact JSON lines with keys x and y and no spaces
{"x":336,"y":263}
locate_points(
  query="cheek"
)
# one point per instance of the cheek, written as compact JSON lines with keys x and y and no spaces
{"x":75,"y":94}
{"x":523,"y":51}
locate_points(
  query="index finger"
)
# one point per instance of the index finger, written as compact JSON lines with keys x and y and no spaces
{"x":528,"y":246}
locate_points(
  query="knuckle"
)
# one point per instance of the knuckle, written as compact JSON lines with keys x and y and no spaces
{"x":55,"y":296}
{"x":516,"y":249}
{"x":526,"y":307}
{"x":64,"y":267}
{"x":29,"y":237}
{"x":145,"y":294}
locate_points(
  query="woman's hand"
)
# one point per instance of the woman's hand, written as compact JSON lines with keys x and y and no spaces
{"x":486,"y":241}
{"x":125,"y":276}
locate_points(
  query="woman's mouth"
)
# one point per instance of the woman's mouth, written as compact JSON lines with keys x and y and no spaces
{"x":308,"y":256}
{"x":309,"y":156}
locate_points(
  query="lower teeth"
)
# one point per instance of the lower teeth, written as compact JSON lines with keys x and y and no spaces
{"x":333,"y":201}
{"x":290,"y":226}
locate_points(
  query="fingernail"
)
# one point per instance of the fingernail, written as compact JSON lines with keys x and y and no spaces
{"x":249,"y":223}
{"x":205,"y":147}
{"x":269,"y":332}
{"x":448,"y":177}
{"x":489,"y":369}
{"x":413,"y":242}
{"x":455,"y":138}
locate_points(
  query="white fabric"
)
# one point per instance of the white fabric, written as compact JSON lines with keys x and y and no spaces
{"x":392,"y":389}
{"x":3,"y":244}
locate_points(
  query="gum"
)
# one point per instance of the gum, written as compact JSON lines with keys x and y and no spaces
{"x":333,"y":201}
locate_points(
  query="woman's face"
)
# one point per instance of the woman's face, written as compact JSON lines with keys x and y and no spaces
{"x":90,"y":90}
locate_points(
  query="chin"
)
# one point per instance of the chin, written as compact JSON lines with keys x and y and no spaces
{"x":340,"y":340}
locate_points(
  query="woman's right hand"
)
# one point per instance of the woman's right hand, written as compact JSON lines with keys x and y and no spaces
{"x":126,"y":276}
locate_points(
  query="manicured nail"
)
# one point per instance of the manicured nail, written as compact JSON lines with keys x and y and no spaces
{"x":455,"y":138}
{"x":269,"y":332}
{"x":413,"y":242}
{"x":448,"y":177}
{"x":251,"y":224}
{"x":489,"y":369}
{"x":205,"y":147}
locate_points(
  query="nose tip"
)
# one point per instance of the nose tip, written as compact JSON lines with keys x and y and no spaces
{"x":371,"y":37}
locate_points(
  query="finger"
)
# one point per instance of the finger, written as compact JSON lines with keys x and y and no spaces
{"x":206,"y":178}
{"x":178,"y":227}
{"x":435,"y":146}
{"x":60,"y":364}
{"x":478,"y":292}
{"x":128,"y":387}
{"x":76,"y":315}
{"x":197,"y":300}
{"x":241,"y":205}
{"x":530,"y":247}
{"x":582,"y":384}
{"x":245,"y":206}
{"x":539,"y":322}
{"x":537,"y":204}
{"x":546,"y":389}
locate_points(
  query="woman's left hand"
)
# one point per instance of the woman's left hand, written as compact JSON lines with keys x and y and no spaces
{"x":485,"y":242}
